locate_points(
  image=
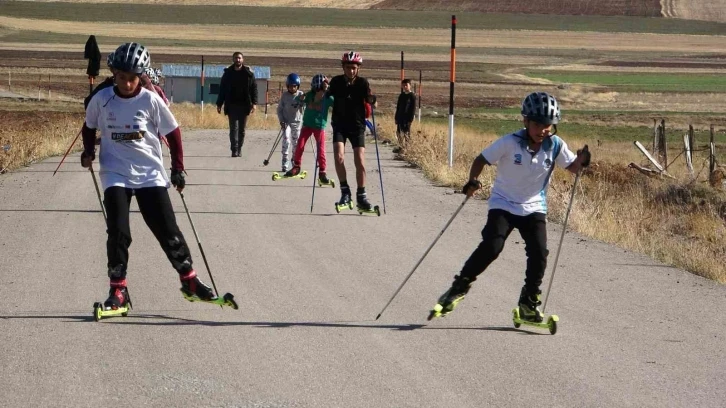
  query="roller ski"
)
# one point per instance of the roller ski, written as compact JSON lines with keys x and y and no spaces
{"x":295,"y":172}
{"x":528,"y":313}
{"x":117,"y":304}
{"x":345,"y":200}
{"x":194,"y":290}
{"x":364,"y":206}
{"x":323,"y":180}
{"x":448,"y":301}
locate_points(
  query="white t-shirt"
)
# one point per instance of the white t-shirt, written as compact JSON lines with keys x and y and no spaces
{"x":522,"y":176}
{"x":130,"y":154}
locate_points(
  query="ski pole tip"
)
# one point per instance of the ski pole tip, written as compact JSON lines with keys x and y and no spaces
{"x":379,"y":315}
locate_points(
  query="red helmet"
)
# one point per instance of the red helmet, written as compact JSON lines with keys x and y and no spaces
{"x":352,"y":57}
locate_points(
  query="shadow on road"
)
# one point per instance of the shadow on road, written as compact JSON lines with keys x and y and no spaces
{"x":248,"y":185}
{"x":152,"y":319}
{"x":349,"y":214}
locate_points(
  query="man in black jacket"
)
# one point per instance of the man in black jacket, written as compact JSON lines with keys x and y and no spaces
{"x":238,"y":94}
{"x":405,"y":112}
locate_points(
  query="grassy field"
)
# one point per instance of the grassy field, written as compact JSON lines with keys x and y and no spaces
{"x":639,"y":82}
{"x":165,"y":13}
{"x":583,"y":131}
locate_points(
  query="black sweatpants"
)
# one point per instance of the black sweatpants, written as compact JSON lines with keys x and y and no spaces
{"x":500,"y":223}
{"x":237,"y":116}
{"x":158,"y":213}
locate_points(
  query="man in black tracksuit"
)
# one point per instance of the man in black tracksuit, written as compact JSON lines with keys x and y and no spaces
{"x":405,"y":112}
{"x":238,"y":94}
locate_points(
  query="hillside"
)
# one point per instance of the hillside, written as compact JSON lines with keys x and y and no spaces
{"x":643,"y":8}
{"x":707,"y":10}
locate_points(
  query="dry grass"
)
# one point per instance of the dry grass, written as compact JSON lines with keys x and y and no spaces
{"x":32,"y":132}
{"x":680,"y":223}
{"x":33,"y":136}
{"x":190,"y":116}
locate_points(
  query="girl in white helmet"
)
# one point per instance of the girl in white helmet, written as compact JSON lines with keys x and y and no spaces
{"x":131,"y":120}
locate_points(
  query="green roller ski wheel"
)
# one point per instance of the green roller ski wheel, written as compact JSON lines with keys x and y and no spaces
{"x":550,"y":324}
{"x":226,"y":300}
{"x":100,"y":313}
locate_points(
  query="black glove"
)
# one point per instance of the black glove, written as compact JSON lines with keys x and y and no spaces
{"x":87,"y":158}
{"x":177,"y":178}
{"x":471,"y":186}
{"x":585,"y":151}
{"x":372,"y":99}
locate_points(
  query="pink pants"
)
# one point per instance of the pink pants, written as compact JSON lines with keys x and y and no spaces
{"x":305,"y":134}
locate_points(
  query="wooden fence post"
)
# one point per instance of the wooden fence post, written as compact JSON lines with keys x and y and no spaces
{"x":663,"y":148}
{"x":711,"y":154}
{"x":655,"y":136}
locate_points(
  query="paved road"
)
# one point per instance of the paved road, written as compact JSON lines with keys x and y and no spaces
{"x":632,"y":333}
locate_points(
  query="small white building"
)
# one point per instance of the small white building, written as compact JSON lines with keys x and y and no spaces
{"x":183,"y":82}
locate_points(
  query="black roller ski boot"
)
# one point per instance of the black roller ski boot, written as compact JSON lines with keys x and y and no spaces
{"x":294,"y":172}
{"x":117,"y":304}
{"x":448,"y":301}
{"x":527,"y":312}
{"x":194,"y":290}
{"x":364,"y":206}
{"x":345,"y":199}
{"x":323,"y":180}
{"x":529,"y":304}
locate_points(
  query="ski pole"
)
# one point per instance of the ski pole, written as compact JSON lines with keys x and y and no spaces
{"x":315,"y":175}
{"x":562,"y":237}
{"x":378,"y":157}
{"x":98,"y":192}
{"x":274,"y":145}
{"x":425,"y":254}
{"x":68,"y":151}
{"x":204,"y":257}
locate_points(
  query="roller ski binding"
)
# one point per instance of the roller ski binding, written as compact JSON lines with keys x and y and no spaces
{"x":528,"y":313}
{"x":448,"y":301}
{"x":364,"y":206}
{"x":295,"y":172}
{"x":345,"y":200}
{"x":323,"y":180}
{"x":194,"y":290}
{"x":117,"y":304}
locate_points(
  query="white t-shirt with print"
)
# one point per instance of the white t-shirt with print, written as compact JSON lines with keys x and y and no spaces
{"x":522,"y":176}
{"x":130,"y":153}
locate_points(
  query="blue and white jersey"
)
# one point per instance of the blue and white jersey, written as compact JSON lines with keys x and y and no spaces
{"x":522,"y":175}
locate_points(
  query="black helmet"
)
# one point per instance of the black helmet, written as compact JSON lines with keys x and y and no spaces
{"x":541,"y":107}
{"x":131,"y":57}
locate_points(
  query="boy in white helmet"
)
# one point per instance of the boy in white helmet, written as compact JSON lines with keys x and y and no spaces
{"x":131,"y":120}
{"x":290,"y":114}
{"x":525,"y":161}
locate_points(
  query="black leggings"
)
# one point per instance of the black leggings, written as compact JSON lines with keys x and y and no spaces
{"x":500,"y":223}
{"x":158,"y":213}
